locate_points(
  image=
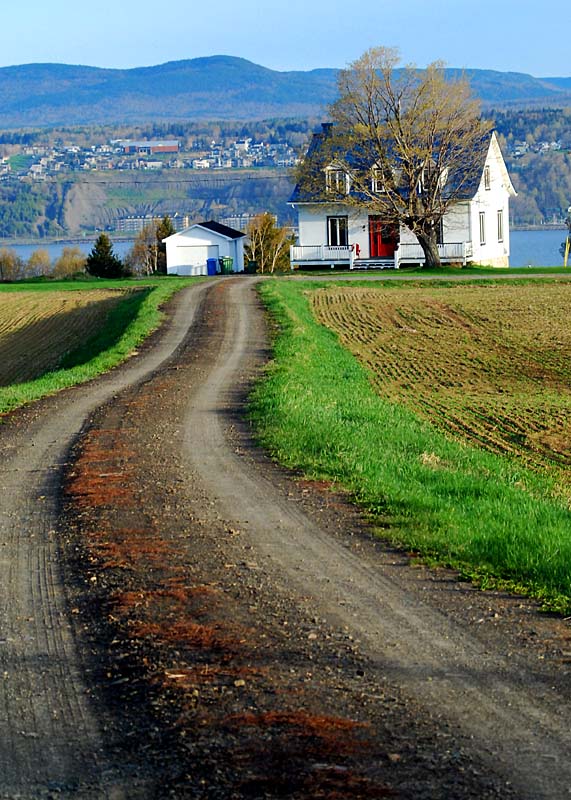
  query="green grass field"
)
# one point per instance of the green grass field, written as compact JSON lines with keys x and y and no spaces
{"x":126,"y":325}
{"x":492,"y":516}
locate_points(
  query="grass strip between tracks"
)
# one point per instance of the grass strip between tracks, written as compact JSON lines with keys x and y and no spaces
{"x":126,"y":327}
{"x":498,"y":522}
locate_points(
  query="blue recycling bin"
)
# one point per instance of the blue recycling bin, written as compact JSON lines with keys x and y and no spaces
{"x":211,"y":265}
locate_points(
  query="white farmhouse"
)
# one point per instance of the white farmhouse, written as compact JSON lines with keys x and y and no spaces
{"x":205,"y":249}
{"x":474,"y":230}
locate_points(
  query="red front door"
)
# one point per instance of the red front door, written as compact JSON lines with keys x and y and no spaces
{"x":383,"y":238}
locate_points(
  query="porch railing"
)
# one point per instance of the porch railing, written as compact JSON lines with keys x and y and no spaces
{"x":406,"y":253}
{"x":317,"y":253}
{"x":459,"y":252}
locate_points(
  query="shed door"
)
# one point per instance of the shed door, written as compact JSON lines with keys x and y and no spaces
{"x":383,"y":238}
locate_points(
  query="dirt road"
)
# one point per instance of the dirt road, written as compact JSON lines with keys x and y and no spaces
{"x":50,"y":741}
{"x":464,"y":693}
{"x":511,"y":713}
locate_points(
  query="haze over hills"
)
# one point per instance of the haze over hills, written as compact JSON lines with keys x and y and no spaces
{"x":217,"y":87}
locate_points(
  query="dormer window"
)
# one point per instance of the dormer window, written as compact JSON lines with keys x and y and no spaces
{"x":336,"y":180}
{"x":378,"y":184}
{"x":384,"y":180}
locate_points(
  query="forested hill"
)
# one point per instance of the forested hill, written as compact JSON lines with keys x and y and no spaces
{"x":218,"y":87}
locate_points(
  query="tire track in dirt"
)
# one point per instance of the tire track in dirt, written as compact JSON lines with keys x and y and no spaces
{"x":505,"y":710}
{"x":50,"y":741}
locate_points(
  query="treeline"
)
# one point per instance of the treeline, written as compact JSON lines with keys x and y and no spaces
{"x":533,"y":126}
{"x":543,"y":183}
{"x":146,"y":257}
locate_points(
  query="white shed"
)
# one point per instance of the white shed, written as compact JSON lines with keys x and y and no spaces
{"x":189,"y":250}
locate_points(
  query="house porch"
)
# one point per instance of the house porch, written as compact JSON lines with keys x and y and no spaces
{"x":343,"y":257}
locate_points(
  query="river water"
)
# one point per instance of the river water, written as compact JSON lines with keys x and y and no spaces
{"x":120,"y":247}
{"x":536,"y":248}
{"x":528,"y":248}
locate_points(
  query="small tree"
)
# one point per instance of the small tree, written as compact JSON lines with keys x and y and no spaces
{"x":102,"y":261}
{"x":39,"y":263}
{"x":268,"y":244}
{"x":164,"y":229}
{"x":142,"y":258}
{"x":11,"y":265}
{"x":70,"y":262}
{"x":149,"y":253}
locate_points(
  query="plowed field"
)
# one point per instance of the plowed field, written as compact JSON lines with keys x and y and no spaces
{"x":38,"y":328}
{"x":490,"y":363}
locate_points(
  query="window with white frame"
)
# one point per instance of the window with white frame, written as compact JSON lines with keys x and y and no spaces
{"x":378,"y":181}
{"x":378,"y":184}
{"x":336,"y":181}
{"x":487,"y":179}
{"x":482,"y":227}
{"x":337,"y":231}
{"x":500,"y":225}
{"x":381,"y":178}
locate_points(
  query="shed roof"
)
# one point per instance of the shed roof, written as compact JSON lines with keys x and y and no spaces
{"x":223,"y":230}
{"x":214,"y":227}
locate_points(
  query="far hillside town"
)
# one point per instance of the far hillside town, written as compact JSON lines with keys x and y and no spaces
{"x":40,"y":161}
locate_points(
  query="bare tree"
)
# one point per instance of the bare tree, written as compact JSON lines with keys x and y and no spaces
{"x":268,"y":244}
{"x":12,"y":268}
{"x":143,"y":257}
{"x":148,"y":254}
{"x":39,"y":263}
{"x":70,"y":262}
{"x":405,"y":143}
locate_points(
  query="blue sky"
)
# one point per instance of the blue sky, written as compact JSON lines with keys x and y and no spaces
{"x":297,"y":34}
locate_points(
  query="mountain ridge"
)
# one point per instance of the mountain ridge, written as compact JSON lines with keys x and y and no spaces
{"x":211,"y":87}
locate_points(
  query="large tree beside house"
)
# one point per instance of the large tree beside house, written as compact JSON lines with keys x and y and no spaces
{"x":405,"y":144}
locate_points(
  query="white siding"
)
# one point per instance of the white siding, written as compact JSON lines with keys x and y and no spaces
{"x":489,"y":202}
{"x":312,"y":221}
{"x":188,"y":251}
{"x":189,"y":259}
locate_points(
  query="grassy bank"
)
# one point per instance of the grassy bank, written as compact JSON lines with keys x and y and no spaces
{"x":127,"y":325}
{"x":485,"y":514}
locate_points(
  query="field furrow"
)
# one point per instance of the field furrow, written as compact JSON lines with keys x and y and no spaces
{"x":487,"y":363}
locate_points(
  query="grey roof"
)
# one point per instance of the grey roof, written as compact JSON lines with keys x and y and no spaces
{"x":466,"y":189}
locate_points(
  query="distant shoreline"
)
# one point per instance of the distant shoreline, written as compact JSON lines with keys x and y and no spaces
{"x":64,"y":240}
{"x":556,"y":226}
